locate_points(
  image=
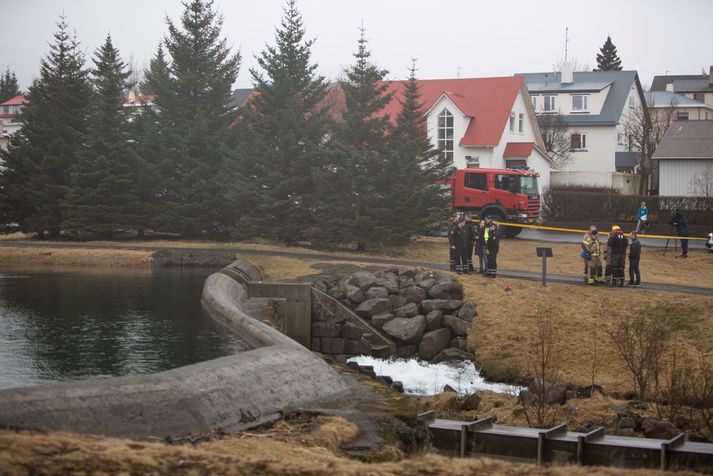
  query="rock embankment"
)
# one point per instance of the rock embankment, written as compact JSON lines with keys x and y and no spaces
{"x":422,"y":311}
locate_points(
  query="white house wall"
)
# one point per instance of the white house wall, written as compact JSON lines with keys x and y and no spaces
{"x":676,"y":176}
{"x":599,"y":154}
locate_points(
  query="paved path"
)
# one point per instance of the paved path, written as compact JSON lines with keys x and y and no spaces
{"x":555,"y":278}
{"x":566,"y":237}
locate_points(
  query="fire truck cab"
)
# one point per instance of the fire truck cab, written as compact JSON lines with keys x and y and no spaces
{"x":507,"y":195}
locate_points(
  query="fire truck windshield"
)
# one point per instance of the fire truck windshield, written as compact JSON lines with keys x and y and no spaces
{"x":528,"y":185}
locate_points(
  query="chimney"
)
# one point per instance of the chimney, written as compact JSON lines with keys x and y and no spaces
{"x":567,"y":73}
{"x":710,"y":77}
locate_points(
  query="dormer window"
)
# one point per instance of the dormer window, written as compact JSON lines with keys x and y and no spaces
{"x":548,"y":104}
{"x":445,"y":133}
{"x":512,"y":122}
{"x":521,"y":122}
{"x":580,"y":103}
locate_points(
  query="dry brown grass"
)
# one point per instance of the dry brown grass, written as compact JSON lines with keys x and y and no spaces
{"x":503,"y":333}
{"x":241,"y":454}
{"x":74,"y":257}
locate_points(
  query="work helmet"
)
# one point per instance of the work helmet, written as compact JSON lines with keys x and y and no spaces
{"x":615,"y":227}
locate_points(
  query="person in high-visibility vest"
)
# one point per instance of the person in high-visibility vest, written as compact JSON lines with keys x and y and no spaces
{"x":595,"y":261}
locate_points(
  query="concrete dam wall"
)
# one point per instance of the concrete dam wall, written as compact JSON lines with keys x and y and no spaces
{"x":231,"y":393}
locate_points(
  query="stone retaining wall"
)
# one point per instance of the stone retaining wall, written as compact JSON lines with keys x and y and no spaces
{"x":231,"y":393}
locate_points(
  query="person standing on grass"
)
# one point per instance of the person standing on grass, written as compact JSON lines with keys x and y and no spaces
{"x":586,"y":256}
{"x":480,"y":246}
{"x":681,"y":223}
{"x":634,"y":256}
{"x":459,"y":244}
{"x":451,"y":250}
{"x":616,"y":250}
{"x":492,"y":246}
{"x":595,"y":261}
{"x":470,"y":227}
{"x":643,"y":218}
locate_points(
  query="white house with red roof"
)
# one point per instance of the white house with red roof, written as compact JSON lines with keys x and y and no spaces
{"x":10,"y":117}
{"x":481,"y":122}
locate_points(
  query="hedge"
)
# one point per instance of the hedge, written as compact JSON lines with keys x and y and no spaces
{"x":572,"y":205}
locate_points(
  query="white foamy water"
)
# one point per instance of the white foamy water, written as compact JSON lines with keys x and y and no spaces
{"x":424,"y":378}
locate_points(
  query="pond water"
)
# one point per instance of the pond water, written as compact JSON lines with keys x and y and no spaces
{"x":68,"y":325}
{"x":425,"y":378}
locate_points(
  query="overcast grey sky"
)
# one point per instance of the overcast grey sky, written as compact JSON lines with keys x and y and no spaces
{"x":473,"y":37}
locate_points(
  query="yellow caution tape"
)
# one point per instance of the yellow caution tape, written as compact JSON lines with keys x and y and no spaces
{"x":572,"y":230}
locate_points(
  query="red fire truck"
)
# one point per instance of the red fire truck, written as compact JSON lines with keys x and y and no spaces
{"x":509,"y":195}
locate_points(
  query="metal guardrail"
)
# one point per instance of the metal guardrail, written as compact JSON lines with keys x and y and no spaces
{"x":557,"y":445}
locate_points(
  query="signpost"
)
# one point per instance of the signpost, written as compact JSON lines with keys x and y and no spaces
{"x":544,"y":253}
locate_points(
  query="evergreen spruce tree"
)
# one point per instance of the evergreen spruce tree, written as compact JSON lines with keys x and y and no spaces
{"x":352,"y":190}
{"x":280,"y":136}
{"x":39,"y":159}
{"x":9,"y":88}
{"x":104,"y":195}
{"x":417,"y":202}
{"x":607,"y":58}
{"x":193,"y":117}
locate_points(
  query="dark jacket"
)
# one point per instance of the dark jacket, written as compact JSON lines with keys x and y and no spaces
{"x":617,"y":243}
{"x":681,"y":223}
{"x":493,"y":243}
{"x":635,"y":249}
{"x":459,"y":237}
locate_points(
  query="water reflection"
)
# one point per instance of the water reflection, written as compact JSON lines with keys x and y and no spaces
{"x":69,"y":325}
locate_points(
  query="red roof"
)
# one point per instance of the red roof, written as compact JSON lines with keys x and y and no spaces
{"x":487,"y":101}
{"x":518,"y":149}
{"x":16,"y":101}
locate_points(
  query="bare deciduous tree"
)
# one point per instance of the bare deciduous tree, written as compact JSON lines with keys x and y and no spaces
{"x":644,"y":128}
{"x":557,"y":139}
{"x":641,"y":342}
{"x":544,"y":367}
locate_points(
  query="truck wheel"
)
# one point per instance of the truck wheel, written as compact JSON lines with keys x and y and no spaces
{"x":511,"y":231}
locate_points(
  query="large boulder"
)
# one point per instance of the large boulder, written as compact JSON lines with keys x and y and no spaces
{"x":406,"y":281}
{"x":434,"y":320}
{"x":372,"y":307}
{"x":375,"y":292}
{"x":470,"y":402}
{"x":433,"y":342}
{"x":662,"y":430}
{"x":413,"y":294}
{"x":459,"y":343}
{"x":405,"y":329}
{"x":409,"y":310}
{"x":445,"y":305}
{"x":446,"y":290}
{"x":397,"y":301}
{"x":407,"y":273}
{"x":379,"y":320}
{"x":387,"y":280}
{"x":354,"y":293}
{"x":467,"y":311}
{"x":452,"y":354}
{"x":363,"y":279}
{"x":457,"y":325}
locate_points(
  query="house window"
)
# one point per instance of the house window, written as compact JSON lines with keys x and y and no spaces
{"x":681,"y":115}
{"x":512,"y":122}
{"x":476,"y":181}
{"x":534,"y":103}
{"x":632,"y":104}
{"x":620,"y":138}
{"x":472,"y":162}
{"x":578,"y":141}
{"x":549,"y":104}
{"x":521,"y":122}
{"x":445,"y":133}
{"x":579,"y":103}
{"x":698,"y":97}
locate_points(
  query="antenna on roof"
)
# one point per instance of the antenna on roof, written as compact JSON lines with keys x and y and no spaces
{"x":566,"y":40}
{"x":459,"y":68}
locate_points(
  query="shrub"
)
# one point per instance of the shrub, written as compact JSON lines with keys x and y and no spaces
{"x":576,"y":204}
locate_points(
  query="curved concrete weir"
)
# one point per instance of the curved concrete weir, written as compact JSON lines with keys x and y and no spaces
{"x":231,"y":393}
